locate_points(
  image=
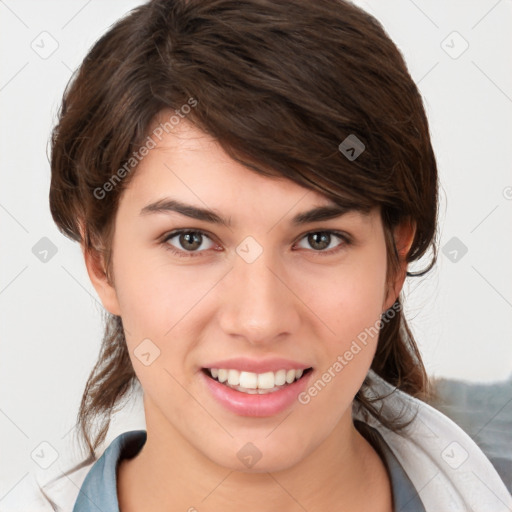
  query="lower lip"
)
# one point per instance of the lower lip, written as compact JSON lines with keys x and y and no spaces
{"x":246,"y":404}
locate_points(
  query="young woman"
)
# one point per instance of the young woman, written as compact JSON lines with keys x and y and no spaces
{"x":249,"y":182}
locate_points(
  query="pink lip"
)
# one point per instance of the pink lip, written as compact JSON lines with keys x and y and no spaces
{"x":245,"y":404}
{"x":258,"y":366}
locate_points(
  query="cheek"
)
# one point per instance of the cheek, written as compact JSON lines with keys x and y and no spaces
{"x":153,"y":295}
{"x":350,"y":299}
{"x":156,"y":303}
{"x":165,"y":304}
{"x":351,"y":309}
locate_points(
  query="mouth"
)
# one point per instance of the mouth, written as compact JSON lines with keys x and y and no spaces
{"x":256,"y":383}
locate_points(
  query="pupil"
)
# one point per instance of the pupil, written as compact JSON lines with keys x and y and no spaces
{"x":319,"y":240}
{"x":190,"y":240}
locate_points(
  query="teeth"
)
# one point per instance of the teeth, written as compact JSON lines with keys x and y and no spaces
{"x":253,"y":381}
{"x":248,"y":380}
{"x":265,"y":380}
{"x":234,"y":377}
{"x":280,"y":377}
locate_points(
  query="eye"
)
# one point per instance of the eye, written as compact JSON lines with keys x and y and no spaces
{"x":188,"y":242}
{"x":324,"y":242}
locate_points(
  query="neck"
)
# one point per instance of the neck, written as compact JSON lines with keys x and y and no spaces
{"x":169,"y":474}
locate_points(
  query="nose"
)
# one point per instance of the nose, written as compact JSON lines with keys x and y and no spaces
{"x":258,"y":304}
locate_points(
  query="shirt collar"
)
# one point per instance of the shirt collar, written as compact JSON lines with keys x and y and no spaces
{"x":405,"y":495}
{"x":99,"y":489}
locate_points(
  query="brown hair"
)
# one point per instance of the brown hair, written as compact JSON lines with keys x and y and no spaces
{"x":280,"y":84}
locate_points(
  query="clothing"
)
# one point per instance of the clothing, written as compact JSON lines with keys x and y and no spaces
{"x":434,"y":466}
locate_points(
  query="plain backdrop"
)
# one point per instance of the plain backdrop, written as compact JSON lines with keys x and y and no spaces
{"x":459,"y":55}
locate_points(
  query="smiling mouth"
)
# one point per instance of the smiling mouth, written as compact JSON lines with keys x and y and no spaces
{"x":255,"y":383}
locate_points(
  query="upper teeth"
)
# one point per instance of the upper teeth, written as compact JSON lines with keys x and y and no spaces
{"x":252,"y":380}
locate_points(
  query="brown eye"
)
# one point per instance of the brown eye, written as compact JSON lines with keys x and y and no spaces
{"x":319,"y":241}
{"x":324,"y":241}
{"x":188,"y":241}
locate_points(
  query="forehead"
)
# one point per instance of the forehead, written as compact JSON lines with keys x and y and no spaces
{"x":191,"y":166}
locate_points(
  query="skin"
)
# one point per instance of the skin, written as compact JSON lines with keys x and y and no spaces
{"x":291,"y":302}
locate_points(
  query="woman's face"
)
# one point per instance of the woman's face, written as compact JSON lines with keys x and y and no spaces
{"x":256,"y":286}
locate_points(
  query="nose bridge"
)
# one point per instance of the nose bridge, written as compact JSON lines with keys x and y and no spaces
{"x":257,"y":305}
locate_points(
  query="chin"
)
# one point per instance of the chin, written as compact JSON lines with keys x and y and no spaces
{"x":260,"y":456}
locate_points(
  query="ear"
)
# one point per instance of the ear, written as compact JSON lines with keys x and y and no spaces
{"x":95,"y":265}
{"x":403,"y":236}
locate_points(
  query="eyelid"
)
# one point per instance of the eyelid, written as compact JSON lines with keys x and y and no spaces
{"x":332,"y":231}
{"x":179,"y":231}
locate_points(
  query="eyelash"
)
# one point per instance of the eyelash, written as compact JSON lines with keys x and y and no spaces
{"x":345,"y":239}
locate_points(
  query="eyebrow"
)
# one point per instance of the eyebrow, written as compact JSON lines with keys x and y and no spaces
{"x":316,"y":214}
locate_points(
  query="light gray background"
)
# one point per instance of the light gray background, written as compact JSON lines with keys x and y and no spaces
{"x":51,"y":321}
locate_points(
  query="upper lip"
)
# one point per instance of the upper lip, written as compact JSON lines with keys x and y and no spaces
{"x":258,"y":365}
